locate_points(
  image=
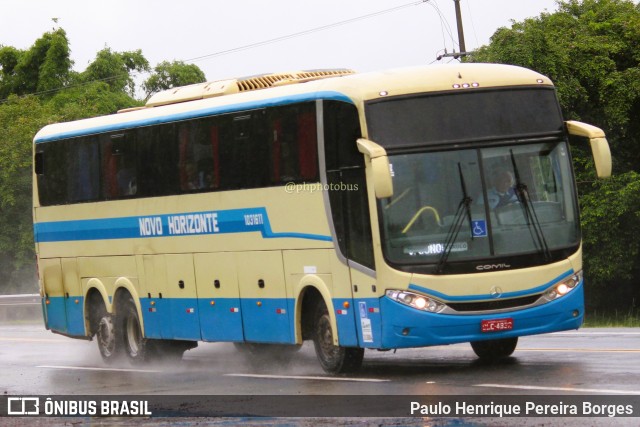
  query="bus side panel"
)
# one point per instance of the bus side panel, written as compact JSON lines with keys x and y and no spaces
{"x":55,"y":306}
{"x":218,"y":297}
{"x":156,"y":308}
{"x":74,"y":303}
{"x":181,"y":287}
{"x":347,"y":332}
{"x":265,"y":314}
{"x":367,"y":312}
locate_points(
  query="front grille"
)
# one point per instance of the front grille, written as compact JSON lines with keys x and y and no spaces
{"x":498,"y":304}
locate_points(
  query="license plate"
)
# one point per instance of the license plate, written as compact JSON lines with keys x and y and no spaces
{"x":496,"y":325}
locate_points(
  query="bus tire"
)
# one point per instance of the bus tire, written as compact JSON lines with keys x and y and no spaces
{"x":136,"y":347}
{"x":492,"y":350}
{"x":333,"y":359}
{"x":108,"y":338}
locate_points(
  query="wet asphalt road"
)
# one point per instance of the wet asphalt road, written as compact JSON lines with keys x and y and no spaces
{"x":589,"y":362}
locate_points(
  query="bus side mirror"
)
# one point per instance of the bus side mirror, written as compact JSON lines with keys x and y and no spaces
{"x":599,"y":145}
{"x":382,"y":182}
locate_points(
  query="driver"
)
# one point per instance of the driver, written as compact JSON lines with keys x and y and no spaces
{"x":503,"y":192}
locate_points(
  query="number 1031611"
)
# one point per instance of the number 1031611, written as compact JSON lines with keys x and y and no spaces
{"x":496,"y":325}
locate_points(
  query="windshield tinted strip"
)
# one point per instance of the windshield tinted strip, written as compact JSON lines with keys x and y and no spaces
{"x":462,"y":298}
{"x":433,"y":119}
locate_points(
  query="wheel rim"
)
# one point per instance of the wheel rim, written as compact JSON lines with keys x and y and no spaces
{"x":106,"y":336}
{"x":325,"y":339}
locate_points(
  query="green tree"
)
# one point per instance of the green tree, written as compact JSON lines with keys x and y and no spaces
{"x":20,"y":119}
{"x":43,"y":67}
{"x":591,"y":50}
{"x":116,"y":69}
{"x":167,"y":75}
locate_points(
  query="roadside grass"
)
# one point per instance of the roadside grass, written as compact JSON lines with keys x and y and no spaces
{"x":613,"y":319}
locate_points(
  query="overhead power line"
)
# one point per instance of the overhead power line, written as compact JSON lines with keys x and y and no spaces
{"x":305,"y":32}
{"x":267,"y":42}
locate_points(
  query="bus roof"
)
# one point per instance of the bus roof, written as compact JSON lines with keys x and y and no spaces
{"x":232,"y":95}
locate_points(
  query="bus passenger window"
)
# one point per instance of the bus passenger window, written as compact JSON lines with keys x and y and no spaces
{"x":126,"y":175}
{"x":196,"y":157}
{"x":119,"y":167}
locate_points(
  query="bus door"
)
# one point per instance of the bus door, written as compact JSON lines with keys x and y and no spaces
{"x":358,"y":248}
{"x":171,"y":308}
{"x":348,"y":199}
{"x":218,"y":297}
{"x":265,"y":317}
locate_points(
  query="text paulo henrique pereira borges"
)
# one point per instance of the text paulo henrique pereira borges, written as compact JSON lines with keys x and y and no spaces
{"x":527,"y":408}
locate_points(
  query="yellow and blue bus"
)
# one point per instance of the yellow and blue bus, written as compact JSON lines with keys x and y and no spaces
{"x":405,"y":208}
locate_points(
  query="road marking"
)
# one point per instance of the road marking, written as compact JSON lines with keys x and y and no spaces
{"x":82,"y":368}
{"x":300,"y":377}
{"x":588,"y":333}
{"x":569,"y":389}
{"x":583,"y":350}
{"x":57,"y":340}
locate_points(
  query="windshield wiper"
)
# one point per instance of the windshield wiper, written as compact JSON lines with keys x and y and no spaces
{"x":464,"y":207}
{"x":537,"y":234}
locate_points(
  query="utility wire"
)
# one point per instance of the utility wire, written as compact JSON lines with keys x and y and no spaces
{"x":306,"y":32}
{"x":263,"y":43}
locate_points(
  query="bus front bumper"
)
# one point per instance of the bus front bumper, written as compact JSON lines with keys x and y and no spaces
{"x":408,"y":327}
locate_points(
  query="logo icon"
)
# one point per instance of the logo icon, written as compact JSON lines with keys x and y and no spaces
{"x":496,"y":291}
{"x":23,"y":406}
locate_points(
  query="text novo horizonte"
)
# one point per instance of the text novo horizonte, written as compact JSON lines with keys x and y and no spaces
{"x":197,"y":223}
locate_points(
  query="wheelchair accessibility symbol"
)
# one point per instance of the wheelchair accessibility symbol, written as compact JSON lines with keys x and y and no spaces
{"x":479,"y":228}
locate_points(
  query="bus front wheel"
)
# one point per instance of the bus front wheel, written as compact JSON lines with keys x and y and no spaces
{"x":333,"y":359}
{"x":492,"y":350}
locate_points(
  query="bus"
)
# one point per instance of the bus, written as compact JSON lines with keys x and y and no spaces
{"x":412,"y":207}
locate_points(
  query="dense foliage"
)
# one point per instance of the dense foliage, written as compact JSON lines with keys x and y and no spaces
{"x":591,"y":50}
{"x":39,"y":86}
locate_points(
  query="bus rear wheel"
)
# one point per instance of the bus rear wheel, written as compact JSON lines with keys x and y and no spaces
{"x":333,"y":359}
{"x":493,"y":350}
{"x":141,"y":350}
{"x":136,"y":347}
{"x":108,"y":339}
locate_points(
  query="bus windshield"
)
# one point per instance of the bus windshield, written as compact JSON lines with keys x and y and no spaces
{"x":480,"y":205}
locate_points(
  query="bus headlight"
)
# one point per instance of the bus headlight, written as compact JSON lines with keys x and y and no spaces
{"x":420,"y":302}
{"x":564,"y":287}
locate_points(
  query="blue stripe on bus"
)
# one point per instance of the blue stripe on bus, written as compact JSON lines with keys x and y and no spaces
{"x":515,"y":294}
{"x":196,"y":114}
{"x":167,"y":225}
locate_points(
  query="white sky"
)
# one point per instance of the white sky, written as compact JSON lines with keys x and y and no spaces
{"x":183,"y":30}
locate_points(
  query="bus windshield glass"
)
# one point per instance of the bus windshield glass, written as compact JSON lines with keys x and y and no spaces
{"x":480,"y":204}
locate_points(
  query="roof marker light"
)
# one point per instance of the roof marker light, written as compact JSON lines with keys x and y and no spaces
{"x":383,"y":93}
{"x":456,"y":86}
{"x":540,"y":81}
{"x":475,"y":84}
